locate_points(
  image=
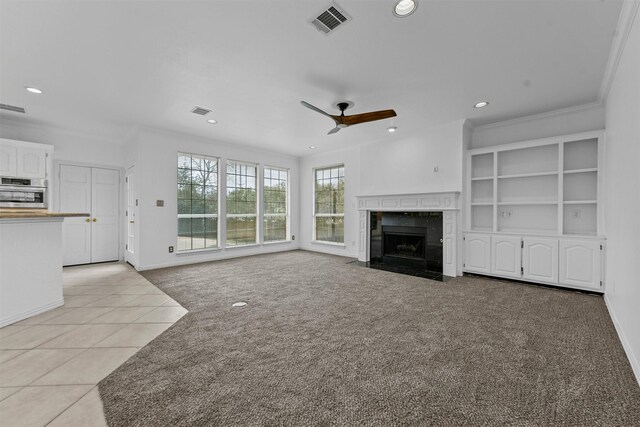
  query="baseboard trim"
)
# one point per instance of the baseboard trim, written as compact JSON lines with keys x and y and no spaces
{"x":221,"y":255}
{"x":633,"y":359}
{"x":26,"y":314}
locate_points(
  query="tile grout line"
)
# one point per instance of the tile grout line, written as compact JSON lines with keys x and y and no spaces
{"x":67,"y":408}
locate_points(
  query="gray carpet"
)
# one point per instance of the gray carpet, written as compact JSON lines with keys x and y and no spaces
{"x":323,"y":342}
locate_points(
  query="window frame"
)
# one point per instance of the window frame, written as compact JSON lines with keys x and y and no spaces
{"x":258,"y":228}
{"x":217,"y":215}
{"x":287,"y":205}
{"x":320,"y":215}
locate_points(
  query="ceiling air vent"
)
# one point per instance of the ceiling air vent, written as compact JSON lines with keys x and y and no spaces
{"x":330,"y":18}
{"x":201,"y":111}
{"x":12,"y":108}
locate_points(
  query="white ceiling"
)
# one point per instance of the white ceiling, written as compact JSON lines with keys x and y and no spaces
{"x":108,"y":65}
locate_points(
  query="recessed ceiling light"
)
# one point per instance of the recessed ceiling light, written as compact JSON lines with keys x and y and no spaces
{"x":239,"y":304}
{"x":33,"y":89}
{"x":481,"y":104}
{"x":405,"y":8}
{"x":392,"y":128}
{"x":312,"y":147}
{"x":211,"y":121}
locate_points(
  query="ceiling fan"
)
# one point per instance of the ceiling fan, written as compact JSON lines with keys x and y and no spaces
{"x":343,"y":121}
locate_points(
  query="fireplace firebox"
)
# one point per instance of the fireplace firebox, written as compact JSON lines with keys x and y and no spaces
{"x":408,"y":239}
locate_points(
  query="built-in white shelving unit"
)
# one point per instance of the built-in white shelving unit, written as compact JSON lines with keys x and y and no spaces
{"x":550,"y":189}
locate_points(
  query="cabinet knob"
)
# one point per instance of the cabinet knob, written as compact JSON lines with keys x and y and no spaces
{"x":87,"y":220}
{"x":131,"y":222}
{"x":94,"y":220}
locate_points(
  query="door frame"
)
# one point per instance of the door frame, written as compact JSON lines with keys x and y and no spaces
{"x":131,"y":257}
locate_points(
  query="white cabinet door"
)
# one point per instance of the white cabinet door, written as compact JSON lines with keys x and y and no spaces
{"x":477,"y":253}
{"x":8,"y":160}
{"x":75,"y":196}
{"x":506,"y":256}
{"x":104,"y":212}
{"x":31,"y":163}
{"x":580,"y":263}
{"x":540,"y":259}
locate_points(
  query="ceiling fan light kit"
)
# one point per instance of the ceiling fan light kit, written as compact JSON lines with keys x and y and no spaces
{"x":343,"y":121}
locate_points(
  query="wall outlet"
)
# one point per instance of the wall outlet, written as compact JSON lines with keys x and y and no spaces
{"x":170,"y":249}
{"x":293,"y":237}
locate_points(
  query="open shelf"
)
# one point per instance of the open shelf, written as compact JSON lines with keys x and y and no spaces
{"x":545,"y":187}
{"x":482,"y":191}
{"x":581,"y":154}
{"x":528,"y":175}
{"x":482,"y":166}
{"x":580,"y":219}
{"x":534,"y":189}
{"x":541,"y":203}
{"x":580,"y":170}
{"x":581,"y":202}
{"x":530,"y":216}
{"x":533,"y":160}
{"x":581,"y":186}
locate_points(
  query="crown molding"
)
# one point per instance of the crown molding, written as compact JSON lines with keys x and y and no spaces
{"x":544,"y":115}
{"x":625,"y":22}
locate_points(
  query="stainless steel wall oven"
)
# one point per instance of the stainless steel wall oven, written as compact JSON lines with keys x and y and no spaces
{"x":23,"y":193}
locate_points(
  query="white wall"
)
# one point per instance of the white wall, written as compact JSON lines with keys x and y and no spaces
{"x":402,"y":165}
{"x":157,"y":180}
{"x":68,"y":145}
{"x":562,"y":122}
{"x":622,"y":183}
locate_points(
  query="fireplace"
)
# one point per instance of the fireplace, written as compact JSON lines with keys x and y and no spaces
{"x":407,"y":239}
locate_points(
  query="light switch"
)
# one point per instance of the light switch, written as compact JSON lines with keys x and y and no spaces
{"x":159,"y":203}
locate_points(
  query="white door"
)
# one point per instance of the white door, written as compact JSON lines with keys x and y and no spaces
{"x":130,"y":248}
{"x":580,"y":263}
{"x":477,"y":253}
{"x":540,"y":259}
{"x":31,"y":163}
{"x":75,"y":196}
{"x":8,"y":160}
{"x":104,"y":211}
{"x":506,"y":256}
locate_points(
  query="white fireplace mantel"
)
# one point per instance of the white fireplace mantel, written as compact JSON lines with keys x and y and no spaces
{"x":445,"y":202}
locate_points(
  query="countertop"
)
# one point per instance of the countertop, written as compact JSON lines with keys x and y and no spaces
{"x":36,"y":213}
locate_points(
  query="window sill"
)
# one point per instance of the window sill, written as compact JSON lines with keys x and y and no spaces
{"x":248,"y":245}
{"x":277,"y":242}
{"x":198,"y":251}
{"x":320,"y":242}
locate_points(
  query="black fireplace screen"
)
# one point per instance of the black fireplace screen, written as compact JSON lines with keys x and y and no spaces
{"x":411,"y":239}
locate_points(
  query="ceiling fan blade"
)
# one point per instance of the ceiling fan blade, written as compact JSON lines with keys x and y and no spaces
{"x":316,"y":109}
{"x":368,"y":117}
{"x":334,"y":130}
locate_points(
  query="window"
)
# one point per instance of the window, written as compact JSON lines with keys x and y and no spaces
{"x":197,"y":202}
{"x":242,"y":207}
{"x":275,"y":204}
{"x":329,"y":204}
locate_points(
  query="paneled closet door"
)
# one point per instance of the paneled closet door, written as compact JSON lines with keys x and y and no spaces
{"x":104,"y":221}
{"x":75,"y":196}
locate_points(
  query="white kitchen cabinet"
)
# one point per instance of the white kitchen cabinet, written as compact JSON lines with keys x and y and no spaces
{"x":540,"y":259}
{"x":8,"y":162}
{"x":95,"y":191}
{"x":477,"y":253}
{"x":506,"y":256}
{"x":31,"y":163}
{"x":580,"y":263}
{"x":22,"y":159}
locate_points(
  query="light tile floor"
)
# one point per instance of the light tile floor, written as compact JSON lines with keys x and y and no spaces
{"x":50,"y":364}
